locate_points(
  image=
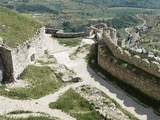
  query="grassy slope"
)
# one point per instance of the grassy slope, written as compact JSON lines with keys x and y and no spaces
{"x":15,"y":28}
{"x":79,"y":12}
{"x":150,"y":39}
{"x":42,"y":79}
{"x":77,"y":106}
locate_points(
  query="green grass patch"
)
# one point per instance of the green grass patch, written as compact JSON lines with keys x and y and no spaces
{"x":42,"y":79}
{"x":16,"y":28}
{"x":29,"y":118}
{"x":42,"y":62}
{"x":70,"y":42}
{"x":76,"y":106}
{"x":19,"y":112}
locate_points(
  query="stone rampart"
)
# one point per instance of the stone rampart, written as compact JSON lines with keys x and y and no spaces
{"x":128,"y":74}
{"x":28,"y":52}
{"x":151,"y":67}
{"x":61,"y":34}
{"x":7,"y":62}
{"x":51,"y":30}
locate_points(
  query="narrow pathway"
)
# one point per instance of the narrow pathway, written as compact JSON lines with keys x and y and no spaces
{"x":90,"y":77}
{"x":41,"y":105}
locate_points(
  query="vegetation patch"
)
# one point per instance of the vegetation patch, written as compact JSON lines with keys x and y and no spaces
{"x":42,"y":79}
{"x":43,"y":62}
{"x":29,"y":118}
{"x":70,"y":42}
{"x":16,"y":28}
{"x":76,"y":106}
{"x":19,"y":112}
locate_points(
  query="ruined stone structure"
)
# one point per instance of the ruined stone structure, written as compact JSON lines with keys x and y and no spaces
{"x":141,"y":73}
{"x":58,"y":33}
{"x":14,"y":60}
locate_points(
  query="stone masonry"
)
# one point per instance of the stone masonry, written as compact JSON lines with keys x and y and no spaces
{"x":138,"y":72}
{"x":15,"y":60}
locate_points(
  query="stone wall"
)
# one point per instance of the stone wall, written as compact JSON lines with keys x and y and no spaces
{"x":28,"y":52}
{"x":151,"y":67}
{"x":61,"y":34}
{"x":51,"y":30}
{"x":7,"y":62}
{"x":127,"y":73}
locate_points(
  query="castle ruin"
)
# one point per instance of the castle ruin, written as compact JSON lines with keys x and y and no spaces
{"x":140,"y":72}
{"x":13,"y":61}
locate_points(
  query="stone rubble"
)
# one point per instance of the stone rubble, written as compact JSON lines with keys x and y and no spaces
{"x":102,"y":103}
{"x":64,"y":73}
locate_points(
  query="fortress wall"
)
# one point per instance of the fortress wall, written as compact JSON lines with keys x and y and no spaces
{"x":51,"y":30}
{"x":139,"y":81}
{"x":70,"y":35}
{"x":152,"y":67}
{"x":7,"y":62}
{"x":28,"y":52}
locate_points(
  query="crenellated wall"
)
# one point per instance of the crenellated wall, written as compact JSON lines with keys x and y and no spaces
{"x":126,"y":73}
{"x":140,"y":73}
{"x":151,"y":67}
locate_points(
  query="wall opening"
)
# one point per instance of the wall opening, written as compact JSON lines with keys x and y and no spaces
{"x":1,"y":69}
{"x":6,"y":65}
{"x":32,"y":57}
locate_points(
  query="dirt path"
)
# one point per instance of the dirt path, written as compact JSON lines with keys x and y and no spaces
{"x":41,"y":105}
{"x":91,"y":78}
{"x":131,"y":33}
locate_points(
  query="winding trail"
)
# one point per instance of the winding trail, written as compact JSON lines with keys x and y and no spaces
{"x":89,"y":78}
{"x":41,"y":105}
{"x":135,"y":35}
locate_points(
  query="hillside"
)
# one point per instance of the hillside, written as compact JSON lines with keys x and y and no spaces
{"x":74,"y":15}
{"x":99,"y":3}
{"x":16,"y":28}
